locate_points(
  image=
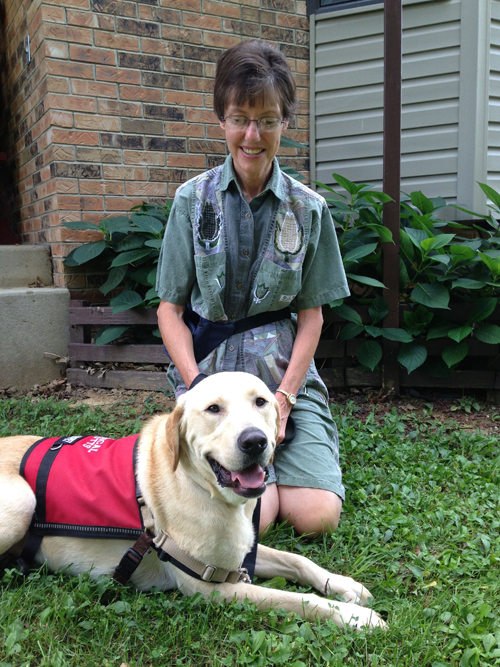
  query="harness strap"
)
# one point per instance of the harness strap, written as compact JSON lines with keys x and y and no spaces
{"x":132,"y":558}
{"x":169,"y":551}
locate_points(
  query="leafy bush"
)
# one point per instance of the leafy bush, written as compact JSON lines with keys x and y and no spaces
{"x":436,"y":266}
{"x":131,"y":247}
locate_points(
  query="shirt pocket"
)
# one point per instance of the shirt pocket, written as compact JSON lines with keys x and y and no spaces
{"x":211,"y":278}
{"x":275,"y":287}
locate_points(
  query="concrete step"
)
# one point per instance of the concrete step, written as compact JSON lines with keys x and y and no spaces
{"x":21,"y":265}
{"x":32,"y":322}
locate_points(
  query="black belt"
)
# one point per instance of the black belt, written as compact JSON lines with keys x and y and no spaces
{"x":208,"y":335}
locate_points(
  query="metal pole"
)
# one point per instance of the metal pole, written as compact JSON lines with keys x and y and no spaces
{"x":392,"y":181}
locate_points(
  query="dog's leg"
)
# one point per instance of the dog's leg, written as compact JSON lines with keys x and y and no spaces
{"x":307,"y":605}
{"x":17,"y":504}
{"x":273,"y":563}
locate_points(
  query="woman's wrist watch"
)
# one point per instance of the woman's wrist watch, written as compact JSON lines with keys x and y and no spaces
{"x":292,"y":398}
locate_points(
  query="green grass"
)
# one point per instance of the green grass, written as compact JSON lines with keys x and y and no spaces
{"x":420,"y":528}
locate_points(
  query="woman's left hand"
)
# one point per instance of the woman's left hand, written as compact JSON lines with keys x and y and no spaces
{"x":285,"y":409}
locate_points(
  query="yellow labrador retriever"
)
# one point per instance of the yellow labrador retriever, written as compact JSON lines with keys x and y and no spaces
{"x":200,"y":470}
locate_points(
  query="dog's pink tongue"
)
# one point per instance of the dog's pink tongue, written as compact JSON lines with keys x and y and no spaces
{"x":249,"y":478}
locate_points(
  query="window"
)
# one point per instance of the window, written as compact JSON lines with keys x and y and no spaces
{"x":319,"y":6}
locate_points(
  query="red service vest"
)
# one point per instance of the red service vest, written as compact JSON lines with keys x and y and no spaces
{"x":85,"y":487}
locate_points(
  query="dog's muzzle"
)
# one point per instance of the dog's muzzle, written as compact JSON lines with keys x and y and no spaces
{"x":250,"y":482}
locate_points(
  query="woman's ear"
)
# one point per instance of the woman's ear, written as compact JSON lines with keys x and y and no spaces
{"x":173,"y":436}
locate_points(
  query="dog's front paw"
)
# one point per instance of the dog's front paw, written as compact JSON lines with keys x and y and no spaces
{"x":357,"y":617}
{"x":348,"y":589}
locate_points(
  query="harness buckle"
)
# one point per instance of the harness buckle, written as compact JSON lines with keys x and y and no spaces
{"x":208,"y":573}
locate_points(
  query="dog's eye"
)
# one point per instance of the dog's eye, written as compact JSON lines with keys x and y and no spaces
{"x":214,"y":409}
{"x":260,"y":402}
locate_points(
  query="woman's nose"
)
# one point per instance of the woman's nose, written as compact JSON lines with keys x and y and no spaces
{"x":252,"y":130}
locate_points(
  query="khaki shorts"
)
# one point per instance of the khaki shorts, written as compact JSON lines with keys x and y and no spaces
{"x":311,"y":459}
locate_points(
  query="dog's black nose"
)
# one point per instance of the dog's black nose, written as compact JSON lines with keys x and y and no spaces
{"x":252,"y":441}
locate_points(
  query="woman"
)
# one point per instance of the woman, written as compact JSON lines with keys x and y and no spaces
{"x":242,"y":240}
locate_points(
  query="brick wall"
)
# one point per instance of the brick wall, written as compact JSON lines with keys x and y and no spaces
{"x":116,"y":106}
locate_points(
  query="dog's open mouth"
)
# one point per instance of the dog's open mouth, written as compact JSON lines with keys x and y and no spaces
{"x":249,"y":482}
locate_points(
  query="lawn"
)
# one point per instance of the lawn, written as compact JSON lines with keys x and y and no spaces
{"x":420,"y":528}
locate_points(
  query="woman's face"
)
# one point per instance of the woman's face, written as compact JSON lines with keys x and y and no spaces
{"x":252,"y":150}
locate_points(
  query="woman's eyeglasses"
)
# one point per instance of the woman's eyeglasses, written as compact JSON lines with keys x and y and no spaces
{"x":266,"y":124}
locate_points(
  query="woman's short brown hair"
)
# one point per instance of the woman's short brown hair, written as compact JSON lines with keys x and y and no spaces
{"x":247,"y":71}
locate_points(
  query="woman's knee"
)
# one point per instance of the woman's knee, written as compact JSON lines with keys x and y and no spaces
{"x":309,"y":511}
{"x":269,"y":507}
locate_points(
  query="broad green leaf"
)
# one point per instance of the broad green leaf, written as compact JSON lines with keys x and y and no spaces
{"x":438,"y":202}
{"x":152,"y":276}
{"x":115,"y":276}
{"x":141,"y":275}
{"x":378,"y":309}
{"x":359,"y":252}
{"x":441,"y":259}
{"x":416,"y":236}
{"x":439,"y":331}
{"x":490,"y":193}
{"x":482,"y":309}
{"x":291,"y":171}
{"x":109,"y":333}
{"x":151,"y":294}
{"x":345,"y":183}
{"x":412,"y":355}
{"x":365,"y":280}
{"x":459,"y":333}
{"x":147,"y":223}
{"x":369,"y":354}
{"x":286,"y":142}
{"x":384,"y":233}
{"x":125,"y":301}
{"x":467,"y":283}
{"x":492,"y":263}
{"x":488,"y":333}
{"x":421,"y":202}
{"x":399,"y":335}
{"x":327,"y":188}
{"x":130,"y":242}
{"x":418,"y":319}
{"x":336,"y":303}
{"x":406,"y":245}
{"x":437,"y":242}
{"x":404,"y":278}
{"x":379,"y":196}
{"x":351,"y":330}
{"x":87,"y":252}
{"x":154,"y":243}
{"x":468,"y":211}
{"x":130,"y":257}
{"x":348,"y":314}
{"x":81,"y":224}
{"x":454,"y":353}
{"x":464,"y":251}
{"x":373,"y":331}
{"x":431,"y":295}
{"x":119,"y":223}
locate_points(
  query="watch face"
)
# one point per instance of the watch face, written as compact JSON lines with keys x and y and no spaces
{"x":292,"y":398}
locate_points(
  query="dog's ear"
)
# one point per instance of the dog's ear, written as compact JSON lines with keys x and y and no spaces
{"x":172,"y":429}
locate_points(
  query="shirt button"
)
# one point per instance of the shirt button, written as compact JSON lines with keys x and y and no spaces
{"x":239,"y":285}
{"x":231,"y":348}
{"x":247,"y":215}
{"x":233,"y":316}
{"x":245,"y":252}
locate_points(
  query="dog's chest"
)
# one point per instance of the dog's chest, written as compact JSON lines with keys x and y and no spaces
{"x":85,"y":487}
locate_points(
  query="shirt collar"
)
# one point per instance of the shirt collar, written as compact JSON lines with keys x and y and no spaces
{"x":275,"y":183}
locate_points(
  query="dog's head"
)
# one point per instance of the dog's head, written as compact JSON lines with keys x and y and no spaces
{"x":224,"y":432}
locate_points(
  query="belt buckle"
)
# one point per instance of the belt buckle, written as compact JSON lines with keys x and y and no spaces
{"x":208,"y":573}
